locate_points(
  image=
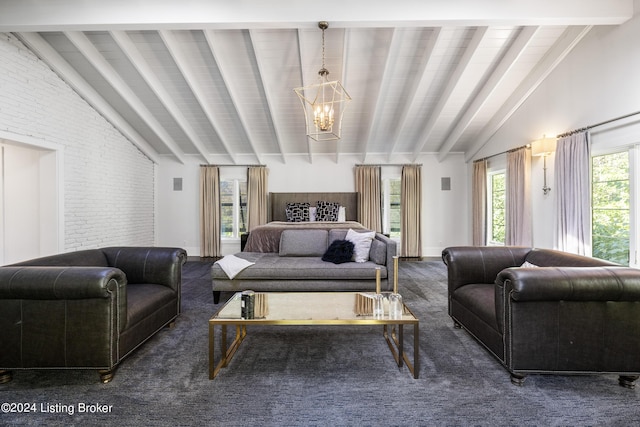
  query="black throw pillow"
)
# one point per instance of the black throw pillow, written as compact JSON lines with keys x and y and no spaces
{"x":339,"y":251}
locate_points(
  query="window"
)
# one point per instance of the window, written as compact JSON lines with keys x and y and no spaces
{"x":496,"y":207}
{"x":611,"y":207}
{"x":233,"y":206}
{"x":391,"y":197}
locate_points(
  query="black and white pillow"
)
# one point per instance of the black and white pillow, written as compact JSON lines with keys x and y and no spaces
{"x":297,"y":212}
{"x":327,"y":211}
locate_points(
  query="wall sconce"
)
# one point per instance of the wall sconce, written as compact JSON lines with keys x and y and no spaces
{"x":544,"y":147}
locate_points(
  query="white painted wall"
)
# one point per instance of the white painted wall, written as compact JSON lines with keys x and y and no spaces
{"x":108,"y":184}
{"x":20,"y":201}
{"x":598,"y":81}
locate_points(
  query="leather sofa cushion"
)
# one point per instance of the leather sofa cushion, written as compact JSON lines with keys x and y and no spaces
{"x":144,"y":299}
{"x":480,"y":300}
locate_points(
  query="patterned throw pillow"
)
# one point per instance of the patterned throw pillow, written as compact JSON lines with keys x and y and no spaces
{"x":327,"y":211}
{"x":297,"y":212}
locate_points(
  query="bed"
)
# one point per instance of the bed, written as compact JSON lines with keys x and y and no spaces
{"x":266,"y":238}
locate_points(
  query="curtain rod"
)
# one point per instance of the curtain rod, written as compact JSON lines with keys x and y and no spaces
{"x":501,"y":153}
{"x":562,"y":135}
{"x":389,"y":164}
{"x":243,"y":166}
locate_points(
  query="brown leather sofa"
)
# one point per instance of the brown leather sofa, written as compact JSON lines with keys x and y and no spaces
{"x":87,"y":309}
{"x":563,"y":314}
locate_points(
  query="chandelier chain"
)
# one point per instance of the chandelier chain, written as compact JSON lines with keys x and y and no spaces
{"x":323,"y":67}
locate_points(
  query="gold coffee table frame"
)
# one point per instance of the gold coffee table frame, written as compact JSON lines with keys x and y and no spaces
{"x":309,"y":308}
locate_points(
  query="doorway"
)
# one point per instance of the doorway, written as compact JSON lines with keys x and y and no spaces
{"x":30,"y":201}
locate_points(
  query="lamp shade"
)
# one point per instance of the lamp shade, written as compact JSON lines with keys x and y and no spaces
{"x":543,"y":147}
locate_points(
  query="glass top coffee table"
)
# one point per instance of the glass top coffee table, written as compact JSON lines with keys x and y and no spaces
{"x":309,"y":308}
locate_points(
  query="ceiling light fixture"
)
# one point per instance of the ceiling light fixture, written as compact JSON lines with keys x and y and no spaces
{"x":323,"y":103}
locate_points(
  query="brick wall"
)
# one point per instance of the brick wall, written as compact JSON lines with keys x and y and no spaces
{"x":108,"y":183}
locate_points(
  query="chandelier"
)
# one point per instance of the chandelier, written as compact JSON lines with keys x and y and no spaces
{"x":323,"y":103}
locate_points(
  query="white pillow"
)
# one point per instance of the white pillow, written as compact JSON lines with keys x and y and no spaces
{"x":527,"y":264}
{"x":361,"y":244}
{"x":342,"y":214}
{"x":232,"y":265}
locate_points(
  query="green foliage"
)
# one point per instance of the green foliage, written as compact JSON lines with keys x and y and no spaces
{"x":611,"y":207}
{"x":498,"y":208}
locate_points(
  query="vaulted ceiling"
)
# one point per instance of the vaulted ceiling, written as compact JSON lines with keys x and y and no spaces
{"x":214,"y":78}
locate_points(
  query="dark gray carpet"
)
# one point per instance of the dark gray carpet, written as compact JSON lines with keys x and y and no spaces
{"x":313,"y":376}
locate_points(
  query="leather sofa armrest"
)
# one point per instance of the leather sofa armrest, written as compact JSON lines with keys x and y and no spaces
{"x":162,"y":266}
{"x":52,"y":284}
{"x":569,"y":284}
{"x":479,"y":264}
{"x":61,"y":317}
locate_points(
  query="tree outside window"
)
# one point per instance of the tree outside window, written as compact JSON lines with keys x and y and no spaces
{"x":497,"y":207}
{"x":611,"y":207}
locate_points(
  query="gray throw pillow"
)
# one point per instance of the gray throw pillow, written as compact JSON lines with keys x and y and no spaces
{"x":378,"y":252}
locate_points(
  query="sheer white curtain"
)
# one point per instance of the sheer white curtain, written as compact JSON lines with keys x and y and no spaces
{"x":369,"y":188}
{"x":257,"y":195}
{"x":518,"y":198}
{"x":573,"y":194}
{"x":479,"y":202}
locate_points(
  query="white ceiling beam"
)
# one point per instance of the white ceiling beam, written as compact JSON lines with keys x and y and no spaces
{"x":137,"y":60}
{"x":444,"y":96}
{"x":383,"y":89}
{"x":346,"y":35}
{"x":413,"y":101}
{"x":83,"y":15}
{"x":195,"y":84}
{"x":58,"y":64}
{"x":569,"y":39}
{"x":273,"y":112}
{"x":498,"y":74}
{"x":232,"y":87}
{"x":89,"y":51}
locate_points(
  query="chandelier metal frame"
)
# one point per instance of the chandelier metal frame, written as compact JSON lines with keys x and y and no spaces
{"x":324,"y":102}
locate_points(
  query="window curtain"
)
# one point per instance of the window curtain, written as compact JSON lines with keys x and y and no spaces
{"x":210,"y":211}
{"x":573,"y":194}
{"x":257,"y":205}
{"x":369,"y":188}
{"x":411,"y":210}
{"x":479,"y":202}
{"x":518,"y":198}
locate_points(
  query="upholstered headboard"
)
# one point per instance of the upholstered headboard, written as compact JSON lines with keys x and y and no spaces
{"x":278,"y":203}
